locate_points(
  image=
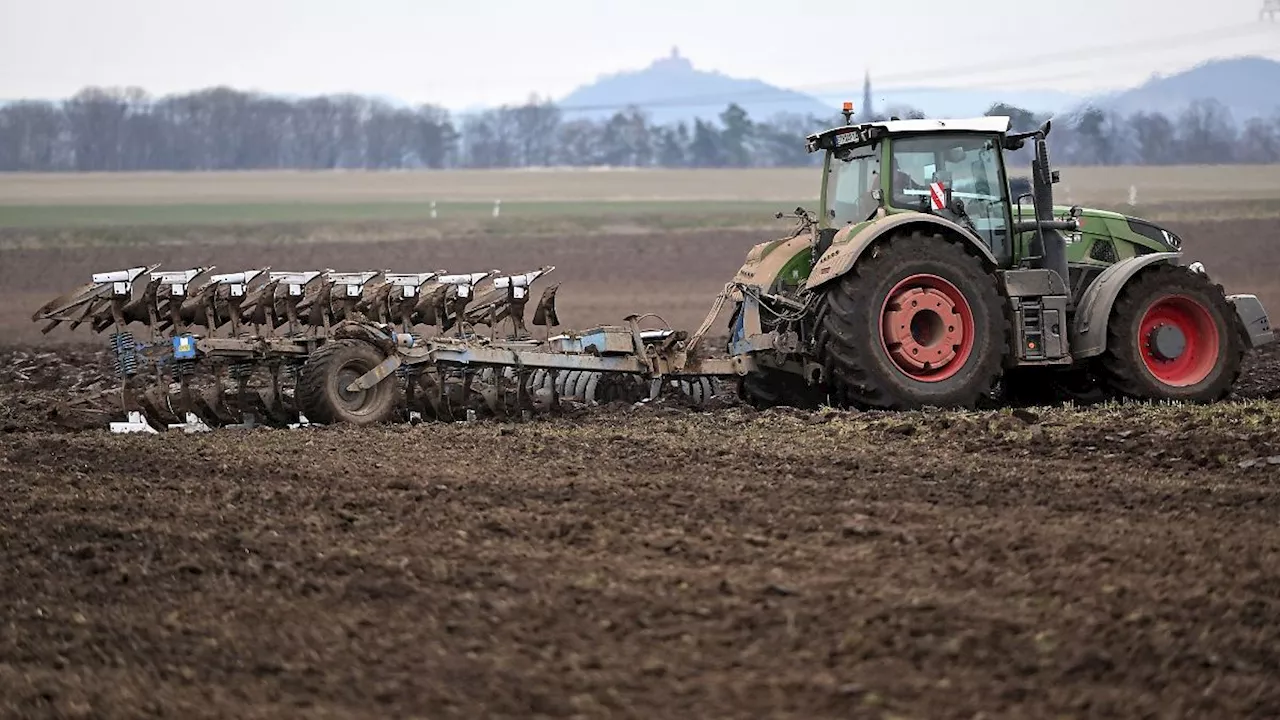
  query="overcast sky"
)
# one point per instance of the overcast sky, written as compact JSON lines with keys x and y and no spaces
{"x":462,"y":53}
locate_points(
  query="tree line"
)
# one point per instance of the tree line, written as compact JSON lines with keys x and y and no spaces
{"x":104,"y":130}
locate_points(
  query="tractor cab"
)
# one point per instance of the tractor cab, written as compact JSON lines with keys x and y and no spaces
{"x":953,"y":169}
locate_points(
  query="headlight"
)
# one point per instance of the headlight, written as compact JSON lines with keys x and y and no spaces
{"x":1154,"y":232}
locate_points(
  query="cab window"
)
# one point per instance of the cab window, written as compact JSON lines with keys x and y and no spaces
{"x":968,"y":164}
{"x":853,"y":175}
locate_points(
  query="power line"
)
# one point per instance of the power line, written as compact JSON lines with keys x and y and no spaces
{"x":1094,"y":52}
{"x":779,"y":95}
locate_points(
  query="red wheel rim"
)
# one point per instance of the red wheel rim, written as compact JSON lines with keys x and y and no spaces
{"x":927,"y":328}
{"x":1184,"y":319}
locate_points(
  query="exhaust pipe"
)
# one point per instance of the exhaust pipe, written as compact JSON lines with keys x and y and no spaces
{"x":1053,"y":250}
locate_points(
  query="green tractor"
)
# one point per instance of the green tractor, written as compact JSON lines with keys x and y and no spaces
{"x":924,"y":280}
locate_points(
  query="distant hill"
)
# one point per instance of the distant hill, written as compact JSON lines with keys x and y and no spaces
{"x":1247,"y":86}
{"x":672,"y":90}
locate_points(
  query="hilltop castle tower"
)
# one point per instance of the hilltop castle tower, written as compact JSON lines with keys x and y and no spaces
{"x":866,"y":112}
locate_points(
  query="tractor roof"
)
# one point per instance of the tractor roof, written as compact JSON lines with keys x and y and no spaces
{"x":867,"y":132}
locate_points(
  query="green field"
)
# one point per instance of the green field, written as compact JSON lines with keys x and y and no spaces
{"x":447,"y":213}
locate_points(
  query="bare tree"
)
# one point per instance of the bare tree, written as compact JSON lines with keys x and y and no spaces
{"x":108,"y":129}
{"x":1260,"y":141}
{"x":1206,"y":134}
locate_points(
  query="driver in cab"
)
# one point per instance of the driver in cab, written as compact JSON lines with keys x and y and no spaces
{"x":903,"y":180}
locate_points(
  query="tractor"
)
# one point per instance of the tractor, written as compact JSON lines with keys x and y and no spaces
{"x":925,"y":280}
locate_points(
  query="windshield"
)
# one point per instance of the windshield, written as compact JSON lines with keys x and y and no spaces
{"x":968,"y":164}
{"x":854,"y":174}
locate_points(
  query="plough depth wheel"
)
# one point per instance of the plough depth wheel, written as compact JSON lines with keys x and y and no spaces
{"x":322,"y":393}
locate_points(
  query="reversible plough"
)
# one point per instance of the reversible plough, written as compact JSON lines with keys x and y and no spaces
{"x":286,"y":348}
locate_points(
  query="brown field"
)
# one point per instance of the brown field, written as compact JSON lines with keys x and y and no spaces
{"x":648,"y":563}
{"x":604,"y":276}
{"x":631,"y":562}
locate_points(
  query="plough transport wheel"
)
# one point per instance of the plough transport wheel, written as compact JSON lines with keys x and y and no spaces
{"x":1171,"y":336}
{"x":322,"y":393}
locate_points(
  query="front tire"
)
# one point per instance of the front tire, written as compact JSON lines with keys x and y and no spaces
{"x":1172,"y":335}
{"x":322,"y":395}
{"x":918,"y":321}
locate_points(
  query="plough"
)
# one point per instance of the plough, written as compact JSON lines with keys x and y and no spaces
{"x":292,"y":348}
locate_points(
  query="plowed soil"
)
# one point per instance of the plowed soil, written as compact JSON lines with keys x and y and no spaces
{"x":639,"y":561}
{"x":604,"y":277}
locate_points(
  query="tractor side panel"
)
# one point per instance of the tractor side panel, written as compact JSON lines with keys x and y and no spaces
{"x":850,"y":243}
{"x":1104,"y":237}
{"x":1089,"y":331}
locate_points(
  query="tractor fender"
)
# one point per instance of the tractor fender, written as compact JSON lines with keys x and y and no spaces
{"x":1093,"y":312}
{"x":847,"y":246}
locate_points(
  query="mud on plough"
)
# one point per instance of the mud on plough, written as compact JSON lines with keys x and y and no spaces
{"x":282,"y":348}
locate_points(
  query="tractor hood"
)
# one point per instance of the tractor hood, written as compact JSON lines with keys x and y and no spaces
{"x":1143,"y":234}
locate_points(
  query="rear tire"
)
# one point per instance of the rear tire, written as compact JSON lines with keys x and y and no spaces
{"x":322,"y":395}
{"x":1172,"y":335}
{"x":918,"y":321}
{"x":766,"y":388}
{"x":769,"y":387}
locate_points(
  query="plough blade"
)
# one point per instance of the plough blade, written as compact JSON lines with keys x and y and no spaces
{"x":91,"y":297}
{"x":505,"y":300}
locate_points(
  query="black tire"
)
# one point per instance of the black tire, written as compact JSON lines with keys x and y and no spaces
{"x":699,"y":390}
{"x":1172,"y":295}
{"x":321,"y":393}
{"x":768,"y":388}
{"x":1052,"y":386}
{"x":861,"y":370}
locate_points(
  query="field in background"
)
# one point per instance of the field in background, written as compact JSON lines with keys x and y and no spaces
{"x":417,"y":186}
{"x":583,"y":198}
{"x":662,"y":241}
{"x":450,"y":216}
{"x":1086,"y":184}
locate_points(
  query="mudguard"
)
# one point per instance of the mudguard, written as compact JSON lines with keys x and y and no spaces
{"x":1089,"y":331}
{"x":1257,"y":326}
{"x":848,"y":245}
{"x":765,"y":261}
